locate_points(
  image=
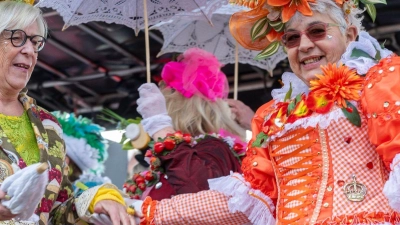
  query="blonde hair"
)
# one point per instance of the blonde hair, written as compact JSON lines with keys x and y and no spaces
{"x":18,"y":15}
{"x":197,"y":115}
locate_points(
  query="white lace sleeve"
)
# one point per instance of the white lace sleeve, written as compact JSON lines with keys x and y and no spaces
{"x":85,"y":199}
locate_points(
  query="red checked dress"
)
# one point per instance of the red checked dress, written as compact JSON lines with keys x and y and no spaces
{"x":321,"y":170}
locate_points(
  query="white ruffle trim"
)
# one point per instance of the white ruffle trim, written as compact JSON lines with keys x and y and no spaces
{"x":241,"y":201}
{"x":85,"y":156}
{"x":367,"y":44}
{"x":321,"y":120}
{"x":298,"y":87}
{"x":392,"y":186}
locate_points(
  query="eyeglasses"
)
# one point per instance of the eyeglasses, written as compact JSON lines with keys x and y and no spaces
{"x":314,"y":32}
{"x":18,"y":38}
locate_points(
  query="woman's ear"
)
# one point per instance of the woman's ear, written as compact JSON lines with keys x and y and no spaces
{"x":351,"y":33}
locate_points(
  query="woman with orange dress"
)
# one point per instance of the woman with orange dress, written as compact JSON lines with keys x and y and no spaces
{"x":326,"y":149}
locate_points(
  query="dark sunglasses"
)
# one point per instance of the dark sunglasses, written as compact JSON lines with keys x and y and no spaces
{"x":314,"y":32}
{"x":18,"y":38}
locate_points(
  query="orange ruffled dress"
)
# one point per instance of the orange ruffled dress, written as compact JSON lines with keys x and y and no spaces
{"x":299,"y":177}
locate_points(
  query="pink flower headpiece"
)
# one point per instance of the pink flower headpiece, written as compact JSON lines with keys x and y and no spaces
{"x":197,"y":72}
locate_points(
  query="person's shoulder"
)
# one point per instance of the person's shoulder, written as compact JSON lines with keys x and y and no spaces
{"x":49,"y":121}
{"x":265,"y":108}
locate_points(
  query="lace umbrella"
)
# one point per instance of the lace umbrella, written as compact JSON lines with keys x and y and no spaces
{"x":180,"y":35}
{"x":130,"y":13}
{"x":136,"y":14}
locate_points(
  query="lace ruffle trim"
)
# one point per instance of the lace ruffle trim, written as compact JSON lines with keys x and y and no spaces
{"x":369,"y":45}
{"x":253,"y":203}
{"x":298,"y":87}
{"x":321,"y":120}
{"x":392,"y":186}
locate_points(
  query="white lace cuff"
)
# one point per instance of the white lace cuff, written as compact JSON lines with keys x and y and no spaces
{"x":155,"y":123}
{"x":253,"y":203}
{"x":392,"y":187}
{"x":82,"y":203}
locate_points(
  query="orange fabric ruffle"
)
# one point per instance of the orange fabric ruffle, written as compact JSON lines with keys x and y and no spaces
{"x":149,"y":210}
{"x":380,"y":102}
{"x":257,"y":166}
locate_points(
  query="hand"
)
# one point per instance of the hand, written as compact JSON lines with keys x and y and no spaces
{"x":137,"y":205}
{"x":5,"y":213}
{"x":152,"y":107}
{"x":116,"y":212}
{"x":151,"y":101}
{"x":103,"y":219}
{"x":243,"y":113}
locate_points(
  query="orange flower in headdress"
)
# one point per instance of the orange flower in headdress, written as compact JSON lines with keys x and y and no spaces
{"x":291,"y":6}
{"x":339,"y":82}
{"x":274,"y":36}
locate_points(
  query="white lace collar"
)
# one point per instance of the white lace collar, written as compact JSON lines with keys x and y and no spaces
{"x":298,"y":87}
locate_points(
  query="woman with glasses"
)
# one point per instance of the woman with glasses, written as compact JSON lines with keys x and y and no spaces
{"x":30,"y":135}
{"x":326,"y":149}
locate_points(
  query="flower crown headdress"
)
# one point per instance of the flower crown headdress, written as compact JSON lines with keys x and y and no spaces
{"x":197,"y":72}
{"x":268,"y":18}
{"x":83,"y":141}
{"x":30,"y":2}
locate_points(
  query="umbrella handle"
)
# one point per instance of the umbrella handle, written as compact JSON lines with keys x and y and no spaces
{"x":42,"y":167}
{"x":236,"y":74}
{"x":147,"y":41}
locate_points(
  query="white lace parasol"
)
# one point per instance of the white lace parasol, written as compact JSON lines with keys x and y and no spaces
{"x":129,"y":12}
{"x":180,"y":35}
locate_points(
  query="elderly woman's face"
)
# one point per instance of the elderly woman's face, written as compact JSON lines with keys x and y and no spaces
{"x":17,"y":63}
{"x":305,"y":60}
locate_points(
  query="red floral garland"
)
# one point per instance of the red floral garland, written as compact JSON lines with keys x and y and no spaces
{"x":139,"y":182}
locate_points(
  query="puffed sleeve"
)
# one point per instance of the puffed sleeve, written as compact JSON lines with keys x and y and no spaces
{"x":380,"y":103}
{"x":233,"y":199}
{"x":257,"y":166}
{"x":253,"y":194}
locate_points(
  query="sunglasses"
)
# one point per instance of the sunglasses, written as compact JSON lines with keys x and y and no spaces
{"x":18,"y":38}
{"x":314,"y":32}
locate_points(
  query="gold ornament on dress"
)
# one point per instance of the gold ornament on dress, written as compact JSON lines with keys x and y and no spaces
{"x":5,"y":170}
{"x":355,"y":191}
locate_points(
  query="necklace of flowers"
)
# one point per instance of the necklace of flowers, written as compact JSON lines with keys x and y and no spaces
{"x":338,"y":85}
{"x":139,"y":182}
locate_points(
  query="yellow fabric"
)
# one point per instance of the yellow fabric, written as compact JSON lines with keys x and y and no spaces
{"x":20,"y":132}
{"x":130,"y":211}
{"x":106,"y":194}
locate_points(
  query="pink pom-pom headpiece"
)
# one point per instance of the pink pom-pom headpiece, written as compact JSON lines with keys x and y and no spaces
{"x":196,"y":73}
